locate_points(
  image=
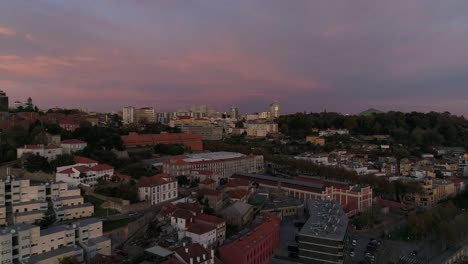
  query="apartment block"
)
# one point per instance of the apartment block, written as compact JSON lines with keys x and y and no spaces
{"x":47,"y":151}
{"x":72,"y":145}
{"x":24,"y":243}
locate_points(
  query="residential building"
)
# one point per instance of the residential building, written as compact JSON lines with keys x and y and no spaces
{"x":27,"y":203}
{"x":216,"y":222}
{"x":3,"y":102}
{"x":202,"y":234}
{"x":274,"y":110}
{"x":259,"y":128}
{"x":26,"y":243}
{"x":47,"y":151}
{"x":315,"y":140}
{"x":238,"y":214}
{"x":128,"y":115}
{"x":145,"y":115}
{"x":283,"y":206}
{"x":85,"y":171}
{"x":71,"y":146}
{"x":69,"y":125}
{"x":255,"y":247}
{"x":195,"y":254}
{"x":324,"y":238}
{"x":198,"y":126}
{"x":433,"y":191}
{"x":224,"y":164}
{"x":194,"y":142}
{"x":158,"y":188}
{"x":234,"y":113}
{"x":214,"y":197}
{"x":353,"y":198}
{"x":463,"y":165}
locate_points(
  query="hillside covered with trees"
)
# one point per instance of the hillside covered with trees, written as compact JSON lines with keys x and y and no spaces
{"x":411,"y":129}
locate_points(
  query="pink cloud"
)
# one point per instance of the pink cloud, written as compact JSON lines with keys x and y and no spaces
{"x":7,"y":31}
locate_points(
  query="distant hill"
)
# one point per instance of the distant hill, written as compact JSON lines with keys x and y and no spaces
{"x":371,"y":111}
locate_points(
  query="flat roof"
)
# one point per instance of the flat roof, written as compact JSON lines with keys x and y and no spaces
{"x":159,"y":251}
{"x":54,"y":229}
{"x":29,"y":203}
{"x":97,"y":240}
{"x":85,"y":222}
{"x":282,"y":180}
{"x":75,"y":206}
{"x":327,"y":220}
{"x":220,"y":155}
{"x":18,"y":227}
{"x":55,"y":253}
{"x":31,"y":212}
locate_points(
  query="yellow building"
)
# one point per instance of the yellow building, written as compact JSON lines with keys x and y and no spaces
{"x":316,"y":140}
{"x":434,"y":191}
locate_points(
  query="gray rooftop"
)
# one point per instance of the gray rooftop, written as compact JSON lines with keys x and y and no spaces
{"x":85,"y":222}
{"x":281,"y":202}
{"x":55,"y":253}
{"x":29,"y":203}
{"x":159,"y":251}
{"x":327,"y":220}
{"x":76,"y":206}
{"x":18,"y":227}
{"x":54,"y":229}
{"x":282,"y":180}
{"x":238,"y":208}
{"x":97,"y":240}
{"x":31,"y":212}
{"x":68,"y":198}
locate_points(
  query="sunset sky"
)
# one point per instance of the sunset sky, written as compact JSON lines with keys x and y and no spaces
{"x":309,"y":55}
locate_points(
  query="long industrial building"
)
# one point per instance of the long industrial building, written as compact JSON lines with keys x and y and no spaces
{"x":223,"y":164}
{"x":353,"y":198}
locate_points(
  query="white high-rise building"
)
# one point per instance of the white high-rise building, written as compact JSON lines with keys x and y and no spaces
{"x":274,"y":110}
{"x":128,"y":115}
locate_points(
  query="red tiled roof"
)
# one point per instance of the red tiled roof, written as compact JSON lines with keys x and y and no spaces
{"x":121,"y":177}
{"x":188,"y":139}
{"x":208,"y":181}
{"x":184,"y":214}
{"x":179,"y":160}
{"x":237,"y":194}
{"x":172,"y":261}
{"x":200,"y":229}
{"x":209,"y":218}
{"x":237,"y":183}
{"x":155,"y":180}
{"x":72,"y":141}
{"x":67,"y":171}
{"x":194,"y":250}
{"x":102,"y":167}
{"x":210,"y":192}
{"x":193,"y":207}
{"x":82,"y":169}
{"x":79,"y":159}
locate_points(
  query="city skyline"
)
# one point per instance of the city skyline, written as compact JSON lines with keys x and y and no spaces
{"x":310,"y":56}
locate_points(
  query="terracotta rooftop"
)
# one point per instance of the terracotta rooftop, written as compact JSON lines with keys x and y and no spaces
{"x":200,"y":229}
{"x":192,"y":207}
{"x":210,"y":192}
{"x":121,"y":177}
{"x":237,"y":194}
{"x":102,"y":167}
{"x":193,"y":251}
{"x":209,"y":218}
{"x":79,"y":159}
{"x":156,"y":180}
{"x":237,"y":183}
{"x":208,"y":181}
{"x":67,"y":171}
{"x":184,"y":214}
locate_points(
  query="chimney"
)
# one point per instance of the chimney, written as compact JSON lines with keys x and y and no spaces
{"x":204,"y":256}
{"x":212,"y":254}
{"x":191,"y":260}
{"x":198,"y":259}
{"x":186,"y":250}
{"x":183,"y":244}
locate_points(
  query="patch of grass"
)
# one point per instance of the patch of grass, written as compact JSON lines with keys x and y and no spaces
{"x":98,"y":210}
{"x":111,"y":225}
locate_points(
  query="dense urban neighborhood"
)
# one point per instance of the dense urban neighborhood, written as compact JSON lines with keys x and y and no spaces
{"x":203,"y":186}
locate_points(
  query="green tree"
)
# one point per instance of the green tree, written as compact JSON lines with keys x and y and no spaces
{"x":62,"y":160}
{"x":34,"y":163}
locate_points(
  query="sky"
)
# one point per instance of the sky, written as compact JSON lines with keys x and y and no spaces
{"x":309,"y":55}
